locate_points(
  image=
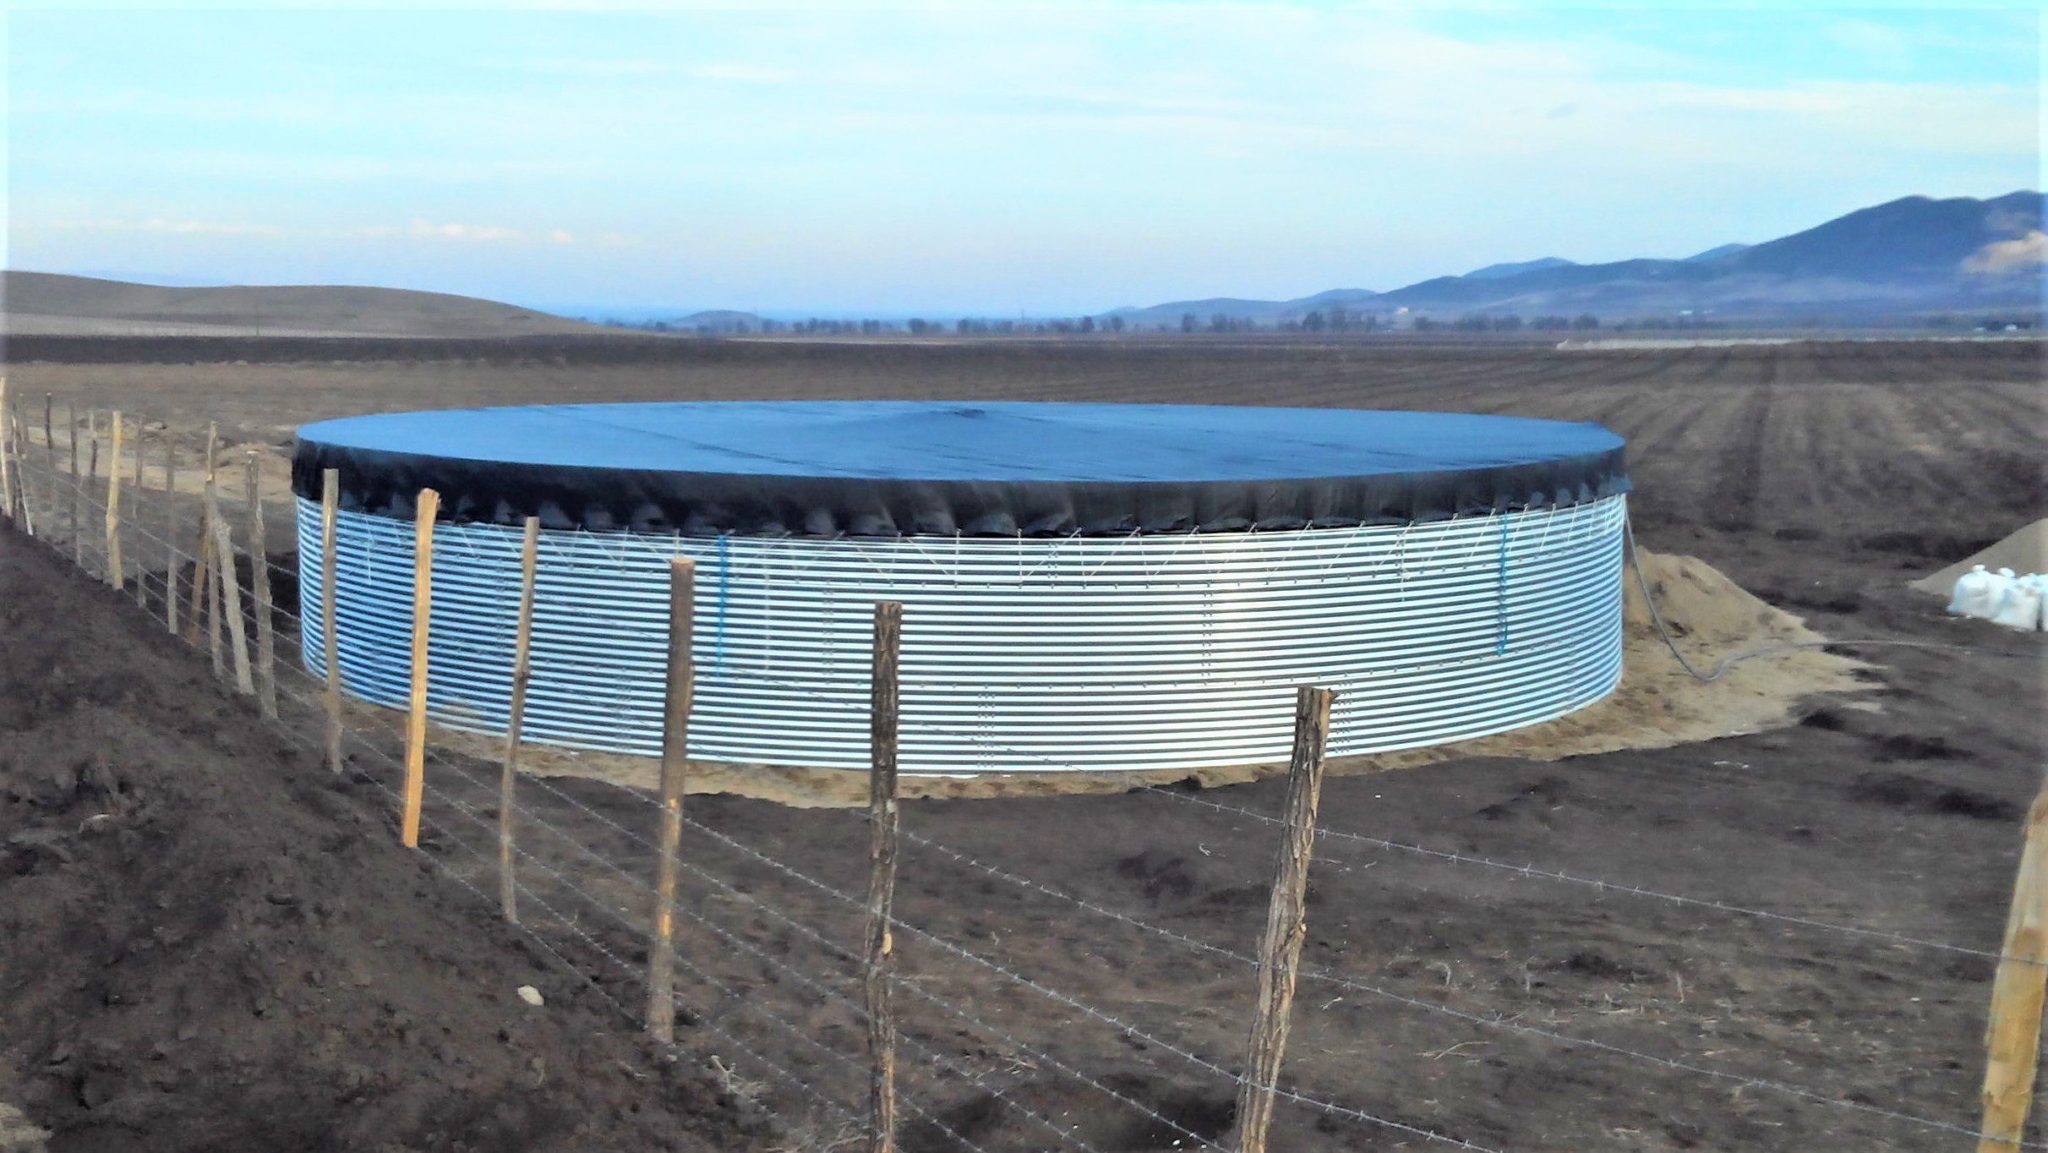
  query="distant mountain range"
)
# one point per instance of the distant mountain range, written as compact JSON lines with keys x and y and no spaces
{"x":1909,"y":257}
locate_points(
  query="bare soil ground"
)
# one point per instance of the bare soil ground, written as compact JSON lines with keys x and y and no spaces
{"x":1821,"y":477}
{"x":207,"y":941}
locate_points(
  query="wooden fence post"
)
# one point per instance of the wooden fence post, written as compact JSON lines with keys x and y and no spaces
{"x":330,"y":505}
{"x":230,"y":596}
{"x":1286,"y":921}
{"x":77,"y":525}
{"x":114,"y":501}
{"x":38,"y":516}
{"x":16,"y":437}
{"x":141,"y":565}
{"x":515,"y":718}
{"x":429,"y":506}
{"x":13,"y":452}
{"x":170,"y":532}
{"x":13,"y":448}
{"x":884,"y":712}
{"x":203,"y":584}
{"x":13,"y":484}
{"x":259,"y":587}
{"x":207,"y":515}
{"x":23,"y":490}
{"x":2013,"y":1034}
{"x":678,"y":696}
{"x":92,"y":475}
{"x":202,"y":574}
{"x":50,"y":451}
{"x":7,"y":459}
{"x":214,"y":644}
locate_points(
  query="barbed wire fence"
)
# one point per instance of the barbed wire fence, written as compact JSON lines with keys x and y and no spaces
{"x":779,"y":990}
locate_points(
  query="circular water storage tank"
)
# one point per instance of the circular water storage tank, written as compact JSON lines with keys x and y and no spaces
{"x":1086,"y":587}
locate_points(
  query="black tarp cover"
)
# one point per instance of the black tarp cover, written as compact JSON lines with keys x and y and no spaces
{"x":895,"y":468}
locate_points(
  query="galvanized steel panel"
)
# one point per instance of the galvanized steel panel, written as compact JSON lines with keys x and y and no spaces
{"x":1019,"y":655}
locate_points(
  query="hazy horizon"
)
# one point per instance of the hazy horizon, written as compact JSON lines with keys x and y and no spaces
{"x":1044,"y":160}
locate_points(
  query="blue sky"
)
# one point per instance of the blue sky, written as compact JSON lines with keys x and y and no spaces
{"x":977,"y":159}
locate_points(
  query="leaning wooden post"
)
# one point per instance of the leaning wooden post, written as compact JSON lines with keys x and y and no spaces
{"x":207,"y":515}
{"x":330,"y":505}
{"x":214,"y":645}
{"x":202,"y":567}
{"x":884,"y":711}
{"x":1286,"y":922}
{"x":170,"y":532}
{"x":675,"y":760}
{"x":2013,"y":1034}
{"x":38,"y":524}
{"x":229,"y":604}
{"x":38,"y":520}
{"x":422,"y":608}
{"x":515,"y":718}
{"x":202,"y":579}
{"x":50,"y":446}
{"x":13,"y":507}
{"x":12,"y":429}
{"x":24,"y":492}
{"x":14,"y":499}
{"x":114,"y":502}
{"x":259,"y":587}
{"x":13,"y":485}
{"x":7,"y":455}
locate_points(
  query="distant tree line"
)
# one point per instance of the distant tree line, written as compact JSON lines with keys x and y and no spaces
{"x":1480,"y":322}
{"x":1336,"y":319}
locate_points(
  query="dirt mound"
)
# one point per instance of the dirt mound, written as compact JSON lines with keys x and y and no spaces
{"x":1657,"y":705}
{"x":2025,"y":551}
{"x":208,"y":942}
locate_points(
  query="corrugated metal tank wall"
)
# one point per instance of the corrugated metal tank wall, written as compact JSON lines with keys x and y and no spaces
{"x":1081,"y":653}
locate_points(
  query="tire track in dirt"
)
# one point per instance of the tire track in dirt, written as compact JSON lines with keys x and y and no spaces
{"x":1740,"y":472}
{"x":1542,"y":381}
{"x":1667,"y":460}
{"x":1799,"y":495}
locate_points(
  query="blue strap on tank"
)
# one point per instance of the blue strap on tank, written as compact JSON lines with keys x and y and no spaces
{"x":724,"y":595}
{"x":1500,"y":639}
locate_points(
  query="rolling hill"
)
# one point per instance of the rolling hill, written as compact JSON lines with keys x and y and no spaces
{"x":1908,"y":257}
{"x":43,"y":303}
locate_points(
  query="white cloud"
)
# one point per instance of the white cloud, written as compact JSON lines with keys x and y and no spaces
{"x":427,"y":230}
{"x":582,"y":68}
{"x":162,"y":225}
{"x":2004,"y":257}
{"x":561,"y":236}
{"x":737,"y":72}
